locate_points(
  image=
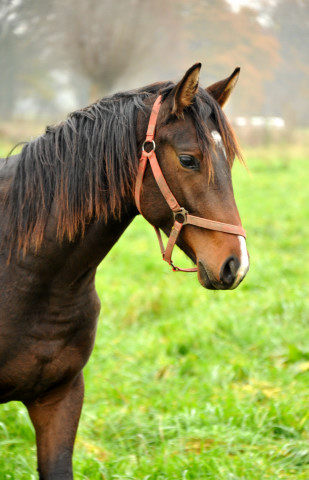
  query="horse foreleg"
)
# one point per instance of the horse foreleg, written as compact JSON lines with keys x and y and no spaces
{"x":55,"y":418}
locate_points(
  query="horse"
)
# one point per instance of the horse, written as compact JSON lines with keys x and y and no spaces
{"x":165,"y":151}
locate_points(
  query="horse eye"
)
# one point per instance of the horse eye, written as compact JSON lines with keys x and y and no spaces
{"x":188,"y":161}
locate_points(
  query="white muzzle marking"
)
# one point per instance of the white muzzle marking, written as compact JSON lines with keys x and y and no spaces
{"x":244,"y":262}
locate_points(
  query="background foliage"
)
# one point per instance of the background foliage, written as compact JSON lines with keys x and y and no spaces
{"x":52,"y":48}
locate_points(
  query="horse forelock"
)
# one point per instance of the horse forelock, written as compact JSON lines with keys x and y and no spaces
{"x":88,"y":163}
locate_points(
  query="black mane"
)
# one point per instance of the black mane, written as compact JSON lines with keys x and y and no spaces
{"x":88,"y":164}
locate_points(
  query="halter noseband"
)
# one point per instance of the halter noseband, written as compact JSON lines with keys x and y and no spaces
{"x":181,"y":215}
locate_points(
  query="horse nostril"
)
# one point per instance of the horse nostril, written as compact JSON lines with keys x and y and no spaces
{"x":229,"y":270}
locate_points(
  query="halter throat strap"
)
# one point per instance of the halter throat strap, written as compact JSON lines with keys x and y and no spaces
{"x":181,"y":215}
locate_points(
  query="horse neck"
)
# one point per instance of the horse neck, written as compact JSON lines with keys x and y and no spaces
{"x":99,"y":238}
{"x":65,"y":271}
{"x":73,"y":260}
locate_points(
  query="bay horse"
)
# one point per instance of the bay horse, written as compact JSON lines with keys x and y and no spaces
{"x":64,"y":202}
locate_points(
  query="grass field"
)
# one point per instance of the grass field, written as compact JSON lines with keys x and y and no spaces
{"x":190,"y":384}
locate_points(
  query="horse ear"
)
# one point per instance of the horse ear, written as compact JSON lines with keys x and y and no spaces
{"x":222,"y":90}
{"x":186,"y":89}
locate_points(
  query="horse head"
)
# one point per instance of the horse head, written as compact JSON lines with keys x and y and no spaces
{"x":195,"y":149}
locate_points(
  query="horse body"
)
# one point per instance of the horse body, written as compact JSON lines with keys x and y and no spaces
{"x":48,"y":315}
{"x":56,"y":232}
{"x":49,"y":306}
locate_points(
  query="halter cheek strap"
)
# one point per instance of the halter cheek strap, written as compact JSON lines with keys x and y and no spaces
{"x":181,"y":215}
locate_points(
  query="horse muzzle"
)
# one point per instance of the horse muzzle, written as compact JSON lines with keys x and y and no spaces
{"x":232,"y":272}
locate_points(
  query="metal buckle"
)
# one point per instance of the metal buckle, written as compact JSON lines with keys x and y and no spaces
{"x":181,"y":216}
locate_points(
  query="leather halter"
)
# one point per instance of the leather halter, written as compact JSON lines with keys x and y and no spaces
{"x":181,"y":215}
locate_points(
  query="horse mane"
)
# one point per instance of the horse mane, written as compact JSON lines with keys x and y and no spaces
{"x":88,"y":165}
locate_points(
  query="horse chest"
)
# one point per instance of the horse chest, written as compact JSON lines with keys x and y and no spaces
{"x":52,"y":344}
{"x":38,"y":365}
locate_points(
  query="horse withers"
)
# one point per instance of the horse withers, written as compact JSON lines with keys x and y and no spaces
{"x":165,"y":150}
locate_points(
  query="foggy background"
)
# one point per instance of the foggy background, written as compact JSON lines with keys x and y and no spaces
{"x":58,"y":56}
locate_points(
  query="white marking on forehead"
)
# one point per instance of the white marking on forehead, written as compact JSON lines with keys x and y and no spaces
{"x":244,"y":261}
{"x":216,"y":136}
{"x":218,"y":140}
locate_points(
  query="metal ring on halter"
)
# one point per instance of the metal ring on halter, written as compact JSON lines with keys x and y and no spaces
{"x":181,"y":216}
{"x":153,"y":146}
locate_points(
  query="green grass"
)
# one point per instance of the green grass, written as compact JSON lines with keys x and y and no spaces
{"x":189,"y":384}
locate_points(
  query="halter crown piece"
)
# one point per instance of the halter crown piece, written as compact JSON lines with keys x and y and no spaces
{"x":181,"y":216}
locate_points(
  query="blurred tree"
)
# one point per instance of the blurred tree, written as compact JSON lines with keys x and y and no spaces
{"x":23,"y":73}
{"x":103,"y":40}
{"x":289,"y":93}
{"x":97,"y":42}
{"x":94,"y":41}
{"x":228,"y":39}
{"x":8,"y":59}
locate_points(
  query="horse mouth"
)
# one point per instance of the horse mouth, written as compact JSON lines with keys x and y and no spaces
{"x":228,"y":275}
{"x":208,"y":281}
{"x":204,"y":277}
